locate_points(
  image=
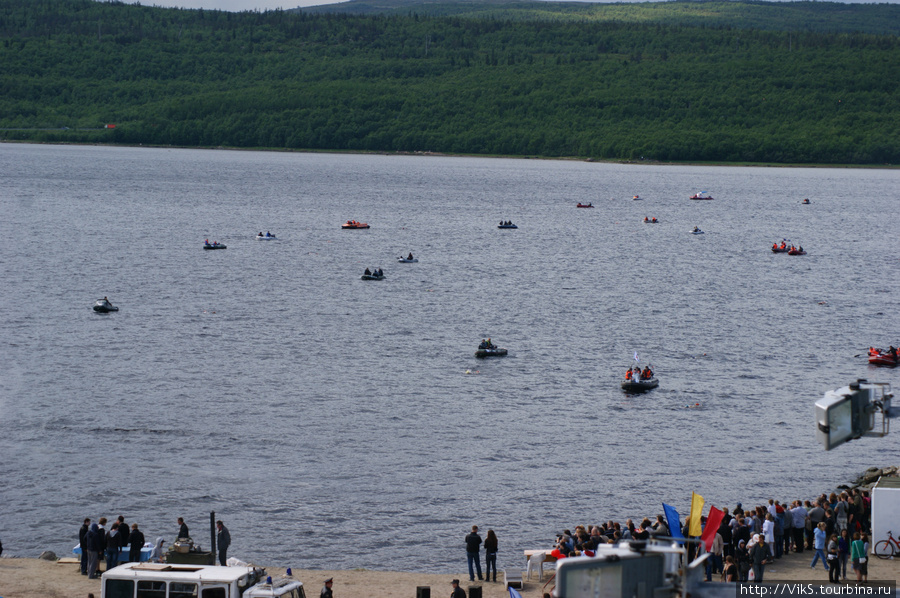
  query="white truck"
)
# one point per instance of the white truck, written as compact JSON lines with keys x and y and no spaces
{"x":161,"y":580}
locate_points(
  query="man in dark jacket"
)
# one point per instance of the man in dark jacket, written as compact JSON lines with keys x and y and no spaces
{"x":182,"y":529}
{"x":457,"y":592}
{"x":136,"y":539}
{"x":473,"y":544}
{"x":223,"y":541}
{"x":759,"y":554}
{"x":85,"y":528}
{"x":94,"y":542}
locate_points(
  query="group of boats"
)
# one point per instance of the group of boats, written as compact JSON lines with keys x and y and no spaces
{"x":788,"y":249}
{"x":886,"y":357}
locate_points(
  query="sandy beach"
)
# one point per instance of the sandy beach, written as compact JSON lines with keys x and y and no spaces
{"x":35,"y":578}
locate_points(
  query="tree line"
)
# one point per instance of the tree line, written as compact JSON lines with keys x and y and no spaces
{"x":589,"y":88}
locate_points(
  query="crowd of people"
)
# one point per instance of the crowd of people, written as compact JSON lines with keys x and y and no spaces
{"x":834,"y":527}
{"x":99,"y":543}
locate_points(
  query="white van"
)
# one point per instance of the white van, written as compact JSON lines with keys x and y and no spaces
{"x":160,"y":580}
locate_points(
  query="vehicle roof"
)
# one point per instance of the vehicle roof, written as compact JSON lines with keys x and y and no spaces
{"x":165,"y":571}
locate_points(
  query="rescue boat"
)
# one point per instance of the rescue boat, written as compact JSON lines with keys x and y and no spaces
{"x":639,"y":385}
{"x":701,"y":195}
{"x":880,"y":357}
{"x":796,"y":251}
{"x":103,"y":306}
{"x":350,"y":224}
{"x":214,"y":245}
{"x":584,"y":205}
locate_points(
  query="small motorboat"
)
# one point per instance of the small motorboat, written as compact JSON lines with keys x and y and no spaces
{"x":783,"y":248}
{"x":266,"y":237}
{"x":408,"y":260}
{"x":584,"y":205}
{"x":214,"y":245}
{"x":490,"y":352}
{"x":354,"y":224}
{"x":374,"y":275}
{"x":796,"y":251}
{"x":103,"y":306}
{"x":883,"y":357}
{"x":805,"y":201}
{"x":507,"y":224}
{"x":650,"y":220}
{"x":696,"y":231}
{"x":637,"y":198}
{"x":701,"y":195}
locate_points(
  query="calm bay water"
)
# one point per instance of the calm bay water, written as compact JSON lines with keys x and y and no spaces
{"x":332,"y":423}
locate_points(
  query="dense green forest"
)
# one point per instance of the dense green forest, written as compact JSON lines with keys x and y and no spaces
{"x":605,"y":88}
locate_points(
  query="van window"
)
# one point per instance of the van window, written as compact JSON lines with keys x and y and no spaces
{"x":213,"y":593}
{"x":179,"y":589}
{"x":119,"y":588}
{"x":151,"y":589}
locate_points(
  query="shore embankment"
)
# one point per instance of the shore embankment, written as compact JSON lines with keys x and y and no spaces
{"x":39,"y":578}
{"x":36,"y":578}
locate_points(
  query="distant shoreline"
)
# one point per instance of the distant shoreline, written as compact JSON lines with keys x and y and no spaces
{"x":449,"y":155}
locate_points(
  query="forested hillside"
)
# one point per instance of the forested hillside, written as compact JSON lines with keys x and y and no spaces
{"x":605,"y":89}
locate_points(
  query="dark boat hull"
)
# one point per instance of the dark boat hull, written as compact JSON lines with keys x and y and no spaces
{"x":640,"y":385}
{"x":490,"y":353}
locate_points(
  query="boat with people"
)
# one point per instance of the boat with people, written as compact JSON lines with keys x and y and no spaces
{"x":506,"y":224}
{"x":637,"y":379}
{"x":103,"y":306}
{"x":214,"y":245}
{"x":408,"y":259}
{"x":696,"y":231}
{"x":886,"y":357}
{"x":354,"y":224}
{"x":266,"y":237}
{"x":783,"y":248}
{"x":584,"y":205}
{"x":650,"y":220}
{"x":488,"y":349}
{"x":805,"y":201}
{"x":796,"y":250}
{"x":373,"y":274}
{"x":637,"y":198}
{"x":701,"y":195}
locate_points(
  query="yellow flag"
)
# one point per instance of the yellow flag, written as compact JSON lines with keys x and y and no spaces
{"x":696,"y":511}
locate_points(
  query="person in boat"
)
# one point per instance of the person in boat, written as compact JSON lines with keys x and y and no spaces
{"x":206,"y":242}
{"x":654,"y":219}
{"x":268,"y":234}
{"x":260,"y":234}
{"x":367,"y":272}
{"x":629,"y":374}
{"x":409,"y":257}
{"x":646,"y":374}
{"x":800,"y":248}
{"x":892,"y":351}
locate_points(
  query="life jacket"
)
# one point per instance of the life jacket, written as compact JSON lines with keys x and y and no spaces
{"x":628,"y":375}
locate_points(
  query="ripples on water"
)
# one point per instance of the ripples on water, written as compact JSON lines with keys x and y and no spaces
{"x":331,"y":422}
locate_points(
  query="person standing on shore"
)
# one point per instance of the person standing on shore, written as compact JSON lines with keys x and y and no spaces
{"x":819,"y":546}
{"x":799,"y":514}
{"x":112,"y":546}
{"x":82,"y":533}
{"x":326,"y":589}
{"x":93,"y":542}
{"x":858,"y":556}
{"x":490,"y":555}
{"x":759,"y":553}
{"x":123,"y":535}
{"x":473,"y":544}
{"x":223,"y":541}
{"x":844,"y":551}
{"x":136,"y":539}
{"x":457,"y":592}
